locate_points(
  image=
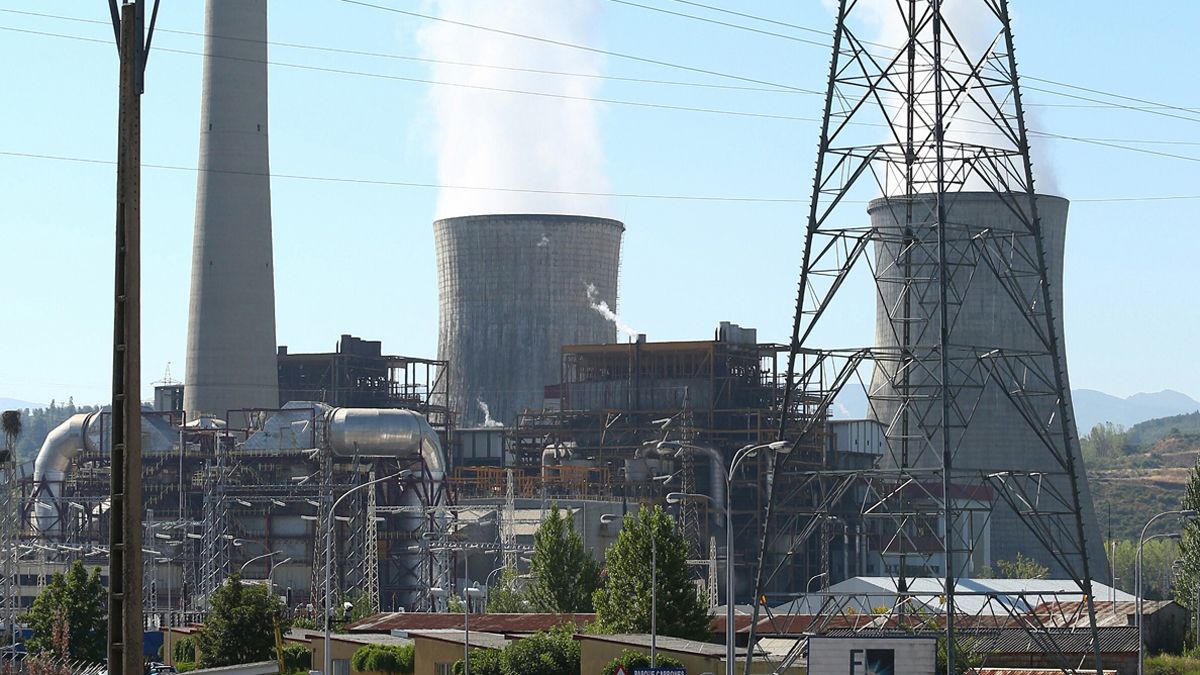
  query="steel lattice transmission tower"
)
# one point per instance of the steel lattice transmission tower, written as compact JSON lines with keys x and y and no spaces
{"x":966,"y":374}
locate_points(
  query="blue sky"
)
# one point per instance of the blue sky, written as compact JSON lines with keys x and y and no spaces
{"x":358,"y":258}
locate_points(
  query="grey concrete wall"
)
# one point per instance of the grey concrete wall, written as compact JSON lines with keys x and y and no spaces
{"x":983,"y":317}
{"x":231,"y":319}
{"x":512,"y":290}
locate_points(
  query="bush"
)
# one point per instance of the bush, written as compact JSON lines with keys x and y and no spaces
{"x":1167,"y":664}
{"x":184,"y":650}
{"x":553,"y":652}
{"x":384,"y":659}
{"x":297,"y":658}
{"x":483,"y":662}
{"x":632,"y":659}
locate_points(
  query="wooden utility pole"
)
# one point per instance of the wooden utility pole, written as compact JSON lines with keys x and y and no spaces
{"x":125,"y":624}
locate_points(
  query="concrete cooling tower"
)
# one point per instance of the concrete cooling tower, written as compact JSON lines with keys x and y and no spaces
{"x":997,"y":438}
{"x":231,"y":321}
{"x":512,"y":290}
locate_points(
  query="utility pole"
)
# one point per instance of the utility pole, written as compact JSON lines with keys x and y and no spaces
{"x":125,"y":529}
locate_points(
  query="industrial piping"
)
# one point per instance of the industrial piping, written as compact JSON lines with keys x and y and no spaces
{"x":50,"y":468}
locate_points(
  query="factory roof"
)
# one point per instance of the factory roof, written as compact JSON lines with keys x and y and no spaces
{"x":490,"y":622}
{"x":482,"y":639}
{"x":671,"y":644}
{"x":999,"y":597}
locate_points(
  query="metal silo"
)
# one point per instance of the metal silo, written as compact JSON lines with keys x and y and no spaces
{"x":512,"y":290}
{"x":231,"y":319}
{"x":991,"y":431}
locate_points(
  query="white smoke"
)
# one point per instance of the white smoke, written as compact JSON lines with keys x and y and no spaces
{"x":544,"y":242}
{"x":974,"y":28}
{"x":601,"y":306}
{"x":487,"y":414}
{"x":508,"y":140}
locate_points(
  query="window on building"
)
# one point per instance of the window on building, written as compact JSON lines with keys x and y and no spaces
{"x":443,"y":669}
{"x":340,"y":667}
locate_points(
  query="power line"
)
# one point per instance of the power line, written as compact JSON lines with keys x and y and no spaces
{"x":1100,"y":92}
{"x":571,"y":45}
{"x":420,"y":59}
{"x":419,"y":80}
{"x":442,"y":186}
{"x":641,"y":104}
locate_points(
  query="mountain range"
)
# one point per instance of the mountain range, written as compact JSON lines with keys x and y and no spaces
{"x":1091,"y":407}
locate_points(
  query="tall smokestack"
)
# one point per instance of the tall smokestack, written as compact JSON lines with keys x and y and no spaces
{"x":231,"y":322}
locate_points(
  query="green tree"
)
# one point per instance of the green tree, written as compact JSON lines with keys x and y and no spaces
{"x":78,"y":599}
{"x":1104,"y":443}
{"x":632,"y":659}
{"x":564,"y":573}
{"x":623,"y":604}
{"x":1187,"y":583}
{"x":391,"y":659}
{"x":505,"y":596}
{"x":1022,"y":567}
{"x":241,"y":625}
{"x":1158,"y":559}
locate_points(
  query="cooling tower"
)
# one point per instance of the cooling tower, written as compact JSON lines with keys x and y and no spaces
{"x":512,"y":290}
{"x":994,"y":437}
{"x":231,"y":321}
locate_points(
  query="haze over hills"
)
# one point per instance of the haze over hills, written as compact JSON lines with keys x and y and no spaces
{"x":18,"y":404}
{"x":1096,"y":407}
{"x":1091,"y":407}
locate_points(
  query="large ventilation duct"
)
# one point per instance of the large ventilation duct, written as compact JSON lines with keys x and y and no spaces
{"x":84,"y":431}
{"x":984,"y":317}
{"x":385,"y":432}
{"x":513,"y":289}
{"x":231,"y":319}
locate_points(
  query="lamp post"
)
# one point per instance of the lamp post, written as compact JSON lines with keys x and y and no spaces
{"x":780,"y":447}
{"x":467,"y":593}
{"x":329,"y":554}
{"x":1185,"y":513}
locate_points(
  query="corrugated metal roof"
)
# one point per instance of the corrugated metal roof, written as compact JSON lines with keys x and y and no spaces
{"x":1113,"y":640}
{"x":482,"y":639}
{"x":493,"y":622}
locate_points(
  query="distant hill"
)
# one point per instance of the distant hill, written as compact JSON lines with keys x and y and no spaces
{"x":1096,"y":407}
{"x":1151,"y":432}
{"x":1091,"y":407}
{"x":18,"y":404}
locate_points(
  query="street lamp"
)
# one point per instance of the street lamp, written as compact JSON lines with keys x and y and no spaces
{"x":438,"y":591}
{"x":329,"y":553}
{"x":778,"y":447}
{"x":271,"y":575}
{"x":1184,"y":513}
{"x":257,"y":557}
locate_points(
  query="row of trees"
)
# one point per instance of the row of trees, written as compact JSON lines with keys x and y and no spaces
{"x":564,"y":578}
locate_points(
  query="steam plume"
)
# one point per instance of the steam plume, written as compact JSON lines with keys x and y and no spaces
{"x":497,"y":139}
{"x":601,"y":306}
{"x":487,"y":414}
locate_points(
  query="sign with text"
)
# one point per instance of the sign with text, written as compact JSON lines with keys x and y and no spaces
{"x":872,"y":656}
{"x":659,"y":671}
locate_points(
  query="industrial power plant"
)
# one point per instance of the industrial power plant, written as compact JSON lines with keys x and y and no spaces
{"x":377,"y":479}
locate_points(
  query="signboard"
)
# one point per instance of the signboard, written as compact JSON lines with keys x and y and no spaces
{"x":658,"y":671}
{"x":872,"y":656}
